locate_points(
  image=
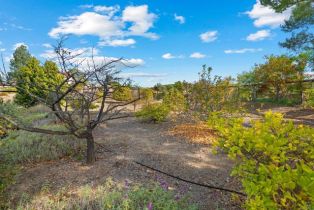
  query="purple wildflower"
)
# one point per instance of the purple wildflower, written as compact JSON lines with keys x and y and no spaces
{"x":163,"y":183}
{"x":150,"y":206}
{"x":126,"y":184}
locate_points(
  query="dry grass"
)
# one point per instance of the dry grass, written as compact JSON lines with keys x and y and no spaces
{"x":198,"y":133}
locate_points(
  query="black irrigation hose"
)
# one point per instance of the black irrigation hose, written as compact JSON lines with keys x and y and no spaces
{"x":191,"y":182}
{"x":178,"y":178}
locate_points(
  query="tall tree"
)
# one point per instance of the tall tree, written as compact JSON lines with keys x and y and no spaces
{"x":21,"y":56}
{"x":34,"y":79}
{"x":80,"y":83}
{"x":300,"y":25}
{"x":277,"y":72}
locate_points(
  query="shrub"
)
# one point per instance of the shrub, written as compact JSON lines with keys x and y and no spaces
{"x":7,"y":108}
{"x":25,"y":147}
{"x":147,"y":95}
{"x":122,"y":94}
{"x":309,"y":98}
{"x":20,"y":114}
{"x":174,"y":100}
{"x":211,"y":94}
{"x":110,"y":196}
{"x":276,"y":160}
{"x":153,"y":112}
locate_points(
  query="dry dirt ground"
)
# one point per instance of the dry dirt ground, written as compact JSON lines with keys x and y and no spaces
{"x":126,"y":140}
{"x":297,"y":114}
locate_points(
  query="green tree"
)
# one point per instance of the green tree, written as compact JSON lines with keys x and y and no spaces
{"x":174,"y":100}
{"x":300,"y":25}
{"x":212,"y":93}
{"x":247,"y":85}
{"x":277,"y":71}
{"x":35,"y":80}
{"x":21,"y":56}
{"x":122,"y":94}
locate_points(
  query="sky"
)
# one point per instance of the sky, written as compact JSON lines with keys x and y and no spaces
{"x":163,"y":41}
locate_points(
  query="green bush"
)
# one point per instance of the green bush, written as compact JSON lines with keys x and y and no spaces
{"x":26,"y":147}
{"x":7,"y":174}
{"x":110,"y":196}
{"x":275,"y":160}
{"x":174,"y":100}
{"x":147,"y":95}
{"x":153,"y":112}
{"x":21,"y":115}
{"x":122,"y":94}
{"x":309,"y":98}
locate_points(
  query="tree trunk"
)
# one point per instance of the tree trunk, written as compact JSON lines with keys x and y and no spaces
{"x":90,"y":152}
{"x":277,"y":93}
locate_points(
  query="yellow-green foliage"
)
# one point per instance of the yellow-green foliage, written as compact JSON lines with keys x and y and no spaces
{"x":276,"y":160}
{"x":122,"y":94}
{"x":153,"y":112}
{"x":4,"y":127}
{"x":309,"y":98}
{"x":111,"y":195}
{"x":147,"y":95}
{"x":175,"y":100}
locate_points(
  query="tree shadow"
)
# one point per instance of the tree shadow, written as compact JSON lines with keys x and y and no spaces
{"x":127,"y":140}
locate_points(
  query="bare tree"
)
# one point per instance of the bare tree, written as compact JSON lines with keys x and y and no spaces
{"x":83,"y":99}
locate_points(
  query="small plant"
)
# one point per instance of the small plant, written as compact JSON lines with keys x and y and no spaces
{"x":147,"y":95}
{"x":153,"y":112}
{"x":275,"y":160}
{"x":309,"y":98}
{"x":111,"y":195}
{"x":122,"y":94}
{"x":26,"y":147}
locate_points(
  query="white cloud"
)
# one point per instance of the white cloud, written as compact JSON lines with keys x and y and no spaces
{"x":80,"y":52}
{"x":88,"y":23}
{"x":47,"y":45}
{"x":87,"y":56}
{"x":105,"y":23}
{"x":86,"y":6}
{"x":8,"y":58}
{"x":18,"y":45}
{"x":179,"y":18}
{"x":197,"y":55}
{"x":259,"y":35}
{"x":266,"y":16}
{"x":140,"y":74}
{"x":87,"y":61}
{"x":107,"y":10}
{"x":244,"y":50}
{"x":117,"y":42}
{"x":169,"y":56}
{"x":48,"y":54}
{"x":141,"y":20}
{"x":2,"y":49}
{"x":19,"y":27}
{"x":209,"y":36}
{"x":134,"y":61}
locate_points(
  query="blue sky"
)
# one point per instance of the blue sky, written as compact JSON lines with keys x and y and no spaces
{"x":166,"y":40}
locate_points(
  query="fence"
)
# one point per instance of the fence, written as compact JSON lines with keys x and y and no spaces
{"x":290,"y":91}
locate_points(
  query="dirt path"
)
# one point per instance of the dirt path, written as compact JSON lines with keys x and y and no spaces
{"x":148,"y":143}
{"x":298,"y":115}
